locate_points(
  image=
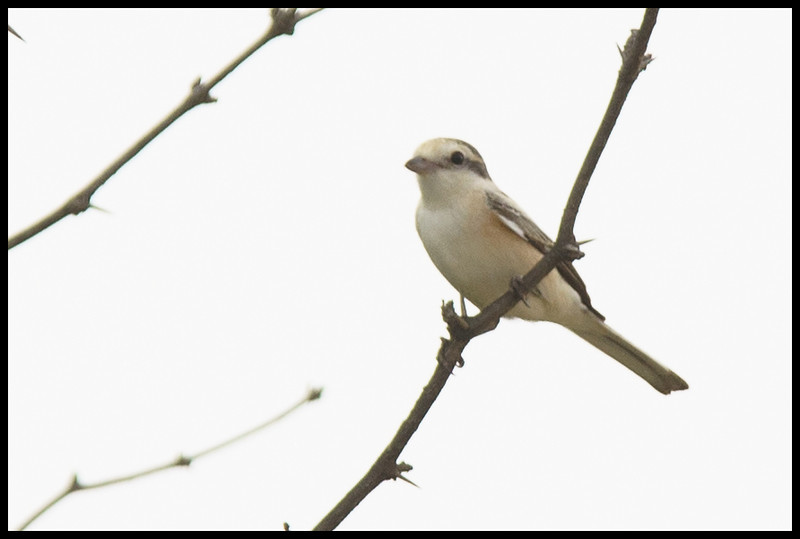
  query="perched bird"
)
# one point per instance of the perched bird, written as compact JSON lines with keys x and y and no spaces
{"x":480,"y":240}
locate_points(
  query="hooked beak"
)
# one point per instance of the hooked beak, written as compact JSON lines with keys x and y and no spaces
{"x":420,"y":165}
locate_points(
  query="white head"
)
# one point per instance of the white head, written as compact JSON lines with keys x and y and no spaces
{"x":446,"y":167}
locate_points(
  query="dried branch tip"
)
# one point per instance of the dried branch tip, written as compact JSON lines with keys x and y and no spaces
{"x":455,"y":323}
{"x":401,"y":467}
{"x":571,"y":251}
{"x":78,"y":204}
{"x":183,"y":460}
{"x":629,"y":43}
{"x":201,"y":92}
{"x":283,"y":19}
{"x":75,"y":484}
{"x":98,"y":208}
{"x":12,"y":32}
{"x":519,"y":290}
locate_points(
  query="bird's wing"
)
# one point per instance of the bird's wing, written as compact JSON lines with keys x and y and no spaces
{"x":522,"y":225}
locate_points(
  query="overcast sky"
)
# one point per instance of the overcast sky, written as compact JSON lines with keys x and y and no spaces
{"x":265,"y":244}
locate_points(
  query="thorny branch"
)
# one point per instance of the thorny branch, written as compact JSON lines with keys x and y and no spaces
{"x":76,"y":485}
{"x":463,"y":329}
{"x":283,"y":22}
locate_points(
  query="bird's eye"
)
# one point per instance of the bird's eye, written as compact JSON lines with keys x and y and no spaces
{"x":457,"y":158}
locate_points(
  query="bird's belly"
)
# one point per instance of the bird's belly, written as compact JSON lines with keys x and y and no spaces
{"x":481,"y":268}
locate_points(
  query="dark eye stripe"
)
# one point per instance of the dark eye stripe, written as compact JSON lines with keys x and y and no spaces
{"x":472,"y":149}
{"x":475,"y":165}
{"x":470,"y":158}
{"x":478,"y":168}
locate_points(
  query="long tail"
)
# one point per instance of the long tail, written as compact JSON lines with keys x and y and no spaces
{"x":615,"y":345}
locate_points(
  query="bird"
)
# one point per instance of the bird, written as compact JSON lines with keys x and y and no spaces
{"x":480,"y":240}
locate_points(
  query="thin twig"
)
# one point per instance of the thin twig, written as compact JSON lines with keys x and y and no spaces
{"x":11,"y":31}
{"x":182,"y":460}
{"x":386,"y":467}
{"x":463,"y":330}
{"x":283,"y":22}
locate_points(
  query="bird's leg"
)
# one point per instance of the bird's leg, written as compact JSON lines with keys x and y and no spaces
{"x":463,"y":306}
{"x":516,"y":286}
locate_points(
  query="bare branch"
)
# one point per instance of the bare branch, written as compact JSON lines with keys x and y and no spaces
{"x":182,"y":460}
{"x":463,"y":329}
{"x":386,"y":467}
{"x":283,"y":22}
{"x":11,"y":31}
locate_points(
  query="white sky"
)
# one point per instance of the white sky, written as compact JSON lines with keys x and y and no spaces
{"x":265,"y":244}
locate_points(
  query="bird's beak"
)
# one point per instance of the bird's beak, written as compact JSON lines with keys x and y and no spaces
{"x":420,"y":165}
